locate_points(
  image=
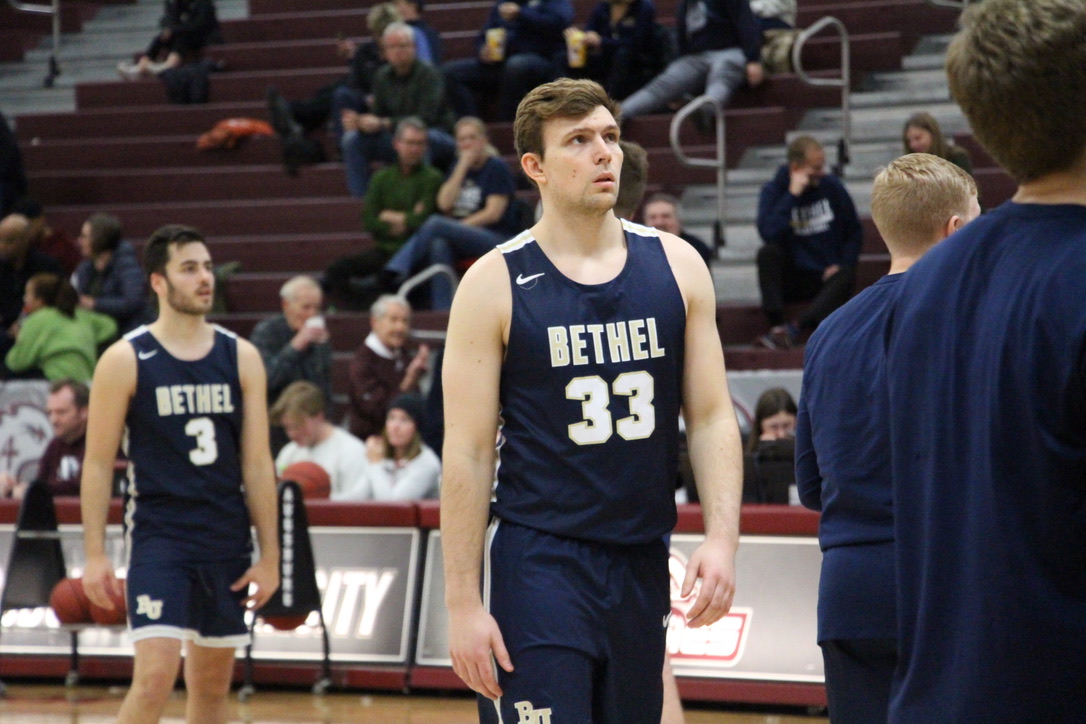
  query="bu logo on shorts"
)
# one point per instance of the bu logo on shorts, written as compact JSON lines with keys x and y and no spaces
{"x":148,"y":607}
{"x":530,"y":715}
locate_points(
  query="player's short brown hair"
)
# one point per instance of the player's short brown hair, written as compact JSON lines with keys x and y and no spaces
{"x":632,"y":179}
{"x":914,"y":197}
{"x":299,"y":399}
{"x":563,"y":98}
{"x":156,"y":252}
{"x":1018,"y":71}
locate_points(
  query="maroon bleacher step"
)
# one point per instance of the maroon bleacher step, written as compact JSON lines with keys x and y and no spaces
{"x":286,"y":253}
{"x":226,"y":218}
{"x":131,"y":186}
{"x":161,"y":152}
{"x":130,"y":121}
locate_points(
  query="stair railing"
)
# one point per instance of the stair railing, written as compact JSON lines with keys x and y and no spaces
{"x":844,"y":82}
{"x":718,"y":162}
{"x":54,"y":10}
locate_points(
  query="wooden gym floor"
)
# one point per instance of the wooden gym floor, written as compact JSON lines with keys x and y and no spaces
{"x":53,"y":704}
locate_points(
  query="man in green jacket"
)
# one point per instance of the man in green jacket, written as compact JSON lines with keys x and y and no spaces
{"x":398,"y":200}
{"x":405,"y":87}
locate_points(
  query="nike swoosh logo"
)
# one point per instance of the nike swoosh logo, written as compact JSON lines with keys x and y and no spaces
{"x":522,"y":280}
{"x":148,"y":355}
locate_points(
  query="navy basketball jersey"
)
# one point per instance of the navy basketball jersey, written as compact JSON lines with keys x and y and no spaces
{"x":184,"y":498}
{"x":590,"y":396}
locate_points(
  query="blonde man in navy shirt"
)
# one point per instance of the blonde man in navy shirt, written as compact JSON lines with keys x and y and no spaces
{"x":842,"y":440}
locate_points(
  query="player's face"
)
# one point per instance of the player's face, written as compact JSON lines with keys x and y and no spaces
{"x":779,"y":426}
{"x":582,"y":160}
{"x":400,"y":429}
{"x":661,"y":215}
{"x":190,"y":281}
{"x":919,"y":139}
{"x":69,"y":421}
{"x":303,"y":430}
{"x":393,"y":327}
{"x":305,"y":303}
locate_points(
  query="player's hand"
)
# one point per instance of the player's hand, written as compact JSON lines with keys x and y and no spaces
{"x":99,"y":581}
{"x":308,"y":335}
{"x":473,"y":637}
{"x":265,"y":575}
{"x":714,"y":563}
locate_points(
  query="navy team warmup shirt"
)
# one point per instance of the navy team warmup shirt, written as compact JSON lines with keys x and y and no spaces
{"x":184,"y":499}
{"x":987,"y":381}
{"x":843,"y":466}
{"x":590,"y":396}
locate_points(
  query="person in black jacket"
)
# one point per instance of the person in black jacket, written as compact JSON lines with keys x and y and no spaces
{"x":187,"y":26}
{"x":720,"y":47}
{"x":12,"y":172}
{"x":110,"y":279}
{"x":812,"y":238}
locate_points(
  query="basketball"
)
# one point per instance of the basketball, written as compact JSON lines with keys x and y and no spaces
{"x":286,"y":623}
{"x":70,"y":602}
{"x":115,"y":616}
{"x":311,"y":477}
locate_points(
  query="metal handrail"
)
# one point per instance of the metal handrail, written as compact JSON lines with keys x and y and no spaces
{"x":54,"y":10}
{"x":425,"y":275}
{"x":958,"y":5}
{"x":844,"y":82}
{"x":719,"y":162}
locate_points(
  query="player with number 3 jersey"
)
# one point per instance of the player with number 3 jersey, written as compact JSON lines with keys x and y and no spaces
{"x":191,"y":397}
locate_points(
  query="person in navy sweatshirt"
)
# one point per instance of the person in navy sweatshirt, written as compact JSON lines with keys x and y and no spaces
{"x":812,"y":239}
{"x":843,"y":441}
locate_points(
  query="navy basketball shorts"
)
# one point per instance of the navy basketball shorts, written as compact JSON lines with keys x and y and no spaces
{"x":584,"y":624}
{"x":189,"y":601}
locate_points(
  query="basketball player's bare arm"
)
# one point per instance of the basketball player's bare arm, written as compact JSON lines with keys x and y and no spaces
{"x":474,"y":348}
{"x":259,"y":476}
{"x":114,"y":382}
{"x":713,"y":434}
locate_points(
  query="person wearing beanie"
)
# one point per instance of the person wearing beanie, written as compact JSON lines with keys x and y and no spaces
{"x":401,"y":466}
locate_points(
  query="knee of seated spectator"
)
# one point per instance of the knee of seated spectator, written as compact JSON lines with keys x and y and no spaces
{"x":525,"y":63}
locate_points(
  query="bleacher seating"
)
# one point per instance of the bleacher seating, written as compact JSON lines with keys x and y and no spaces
{"x":128,"y":152}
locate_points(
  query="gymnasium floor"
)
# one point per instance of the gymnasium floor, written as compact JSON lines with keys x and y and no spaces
{"x":51,"y":704}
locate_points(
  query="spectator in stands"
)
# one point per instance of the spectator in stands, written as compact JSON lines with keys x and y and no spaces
{"x":812,"y":238}
{"x":57,"y":339}
{"x":18,"y":262}
{"x":662,"y":212}
{"x":921,"y":134}
{"x":406,"y":87}
{"x":776,"y":19}
{"x":519,"y":47}
{"x":427,"y":40}
{"x":61,"y":463}
{"x":399,"y":199}
{"x":383,"y":367}
{"x":110,"y":279}
{"x":624,"y":47}
{"x":47,"y":239}
{"x":12,"y":172}
{"x":719,"y":49}
{"x":300,"y":410}
{"x":295,"y":344}
{"x":769,"y":460}
{"x":293,"y":120}
{"x":187,"y":27}
{"x":401,"y":466}
{"x":477,"y":214}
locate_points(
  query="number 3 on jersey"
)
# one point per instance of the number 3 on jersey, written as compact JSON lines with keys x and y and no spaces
{"x":207,"y":450}
{"x":596,"y":426}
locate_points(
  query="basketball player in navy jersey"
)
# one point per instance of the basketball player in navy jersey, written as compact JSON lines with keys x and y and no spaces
{"x":192,"y":396}
{"x":584,"y":335}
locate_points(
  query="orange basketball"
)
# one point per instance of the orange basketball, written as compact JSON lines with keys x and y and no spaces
{"x":312,"y":478}
{"x":115,"y":616}
{"x":70,"y":602}
{"x":286,"y":623}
